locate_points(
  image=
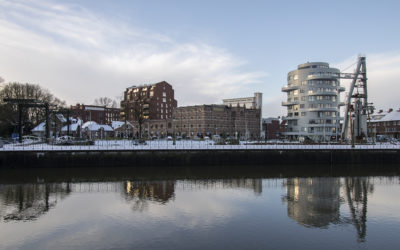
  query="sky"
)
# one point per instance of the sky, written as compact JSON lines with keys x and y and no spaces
{"x":207,"y":50}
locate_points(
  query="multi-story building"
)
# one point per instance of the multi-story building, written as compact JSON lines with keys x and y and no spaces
{"x":384,"y":125}
{"x":209,"y":120}
{"x":148,"y":102}
{"x":313,"y":93}
{"x":98,"y":114}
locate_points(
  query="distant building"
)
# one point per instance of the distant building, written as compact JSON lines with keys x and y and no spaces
{"x":55,"y":126}
{"x":273,"y":128}
{"x":92,"y":130}
{"x":313,"y":93}
{"x":209,"y":120}
{"x":148,"y":102}
{"x":74,"y":128}
{"x":385,"y":124}
{"x":247,"y":102}
{"x":98,"y":114}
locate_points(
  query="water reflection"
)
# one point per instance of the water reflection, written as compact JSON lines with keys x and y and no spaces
{"x":30,"y":201}
{"x":139,"y":193}
{"x":357,"y":190}
{"x":313,"y":202}
{"x":249,"y":184}
{"x":197,"y":207}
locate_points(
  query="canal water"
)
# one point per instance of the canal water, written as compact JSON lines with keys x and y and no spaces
{"x":224,"y":208}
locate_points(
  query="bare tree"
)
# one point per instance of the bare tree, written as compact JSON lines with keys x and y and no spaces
{"x":138,"y":113}
{"x":31,"y":116}
{"x":105,"y":101}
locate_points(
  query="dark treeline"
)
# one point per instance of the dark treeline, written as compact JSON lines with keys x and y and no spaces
{"x":30,"y":116}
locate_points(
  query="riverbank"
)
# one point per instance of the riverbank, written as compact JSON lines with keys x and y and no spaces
{"x":196,"y":157}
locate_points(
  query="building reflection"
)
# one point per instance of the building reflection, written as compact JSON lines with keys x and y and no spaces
{"x":139,"y":192}
{"x":251,"y":184}
{"x":313,"y":202}
{"x":30,"y":201}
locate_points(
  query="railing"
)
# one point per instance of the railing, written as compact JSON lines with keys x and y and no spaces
{"x":115,"y":145}
{"x":288,"y":103}
{"x":291,"y":87}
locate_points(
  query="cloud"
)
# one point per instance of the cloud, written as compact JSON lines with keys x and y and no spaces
{"x":80,"y":56}
{"x":383,"y":73}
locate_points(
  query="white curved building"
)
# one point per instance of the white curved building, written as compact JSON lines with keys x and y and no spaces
{"x":313,"y":93}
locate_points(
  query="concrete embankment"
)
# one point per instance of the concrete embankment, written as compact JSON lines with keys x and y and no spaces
{"x":176,"y":158}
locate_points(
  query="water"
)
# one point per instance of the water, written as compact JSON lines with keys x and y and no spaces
{"x":197,"y":208}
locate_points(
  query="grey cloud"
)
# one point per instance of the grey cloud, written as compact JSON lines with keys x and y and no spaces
{"x":80,"y":56}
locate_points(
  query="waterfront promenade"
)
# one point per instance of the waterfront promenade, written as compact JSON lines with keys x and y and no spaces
{"x":194,"y":153}
{"x":115,"y":145}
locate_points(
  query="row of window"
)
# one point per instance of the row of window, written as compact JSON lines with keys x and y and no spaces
{"x":311,"y":106}
{"x":208,"y":126}
{"x":322,"y":98}
{"x":312,"y":91}
{"x":333,"y":83}
{"x":320,"y":114}
{"x":321,"y":105}
{"x":324,"y":74}
{"x":313,"y":98}
{"x":315,"y":66}
{"x":322,"y":121}
{"x":312,"y":74}
{"x":319,"y":130}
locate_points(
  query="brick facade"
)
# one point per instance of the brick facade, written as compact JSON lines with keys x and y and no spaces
{"x":148,"y":102}
{"x":98,"y":114}
{"x":208,"y":120}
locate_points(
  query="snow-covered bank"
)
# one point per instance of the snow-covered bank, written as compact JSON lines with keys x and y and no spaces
{"x":116,"y":145}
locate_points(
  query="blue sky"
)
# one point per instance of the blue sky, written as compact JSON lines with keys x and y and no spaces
{"x":208,"y":50}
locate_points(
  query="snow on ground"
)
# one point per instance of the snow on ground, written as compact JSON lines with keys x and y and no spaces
{"x":184,"y":144}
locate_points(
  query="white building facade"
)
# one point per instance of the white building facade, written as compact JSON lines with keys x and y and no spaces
{"x":313,"y":105}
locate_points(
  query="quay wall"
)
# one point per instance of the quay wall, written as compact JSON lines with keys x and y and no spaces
{"x":177,"y":158}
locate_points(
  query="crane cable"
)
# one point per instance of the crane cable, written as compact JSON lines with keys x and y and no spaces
{"x":349,"y":66}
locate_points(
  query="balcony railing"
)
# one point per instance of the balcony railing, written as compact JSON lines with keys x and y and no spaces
{"x":322,"y":109}
{"x":290,"y":103}
{"x":289,"y":88}
{"x":290,"y":118}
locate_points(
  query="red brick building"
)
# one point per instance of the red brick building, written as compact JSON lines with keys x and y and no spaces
{"x":148,"y":102}
{"x":98,"y":114}
{"x":385,"y":124}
